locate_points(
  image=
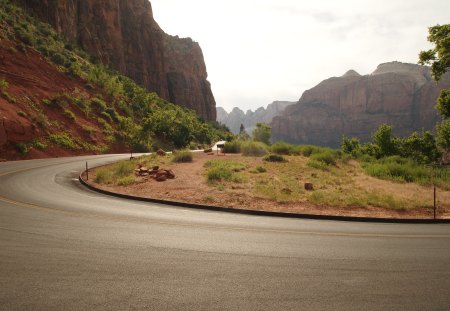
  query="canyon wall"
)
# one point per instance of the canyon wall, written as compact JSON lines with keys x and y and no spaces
{"x":124,"y":35}
{"x":399,"y":94}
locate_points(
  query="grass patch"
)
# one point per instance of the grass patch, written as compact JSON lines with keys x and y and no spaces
{"x":223,"y":170}
{"x":126,"y":181}
{"x":182,"y":156}
{"x":400,"y":169}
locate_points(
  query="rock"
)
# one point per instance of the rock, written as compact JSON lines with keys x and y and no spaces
{"x":161,"y":178}
{"x":170,"y":174}
{"x":209,"y":150}
{"x":155,"y":168}
{"x":160,"y":152}
{"x":309,"y":186}
{"x":123,"y":35}
{"x":399,"y":94}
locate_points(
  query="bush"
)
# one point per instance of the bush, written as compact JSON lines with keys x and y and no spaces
{"x":233,"y":146}
{"x":183,"y":156}
{"x":123,"y":168}
{"x":22,"y":114}
{"x":329,"y":157}
{"x":103,"y":176}
{"x":317,"y":165}
{"x":38,"y":144}
{"x":274,"y":158}
{"x":282,"y":148}
{"x":256,"y":149}
{"x":99,"y":104}
{"x":261,"y":169}
{"x":126,"y":181}
{"x":3,"y":85}
{"x":58,"y":59}
{"x":22,"y":148}
{"x":63,"y":140}
{"x":70,"y":115}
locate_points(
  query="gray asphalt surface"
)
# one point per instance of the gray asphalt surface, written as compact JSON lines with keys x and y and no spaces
{"x":63,"y":247}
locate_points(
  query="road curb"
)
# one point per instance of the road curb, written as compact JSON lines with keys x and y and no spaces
{"x":261,"y":213}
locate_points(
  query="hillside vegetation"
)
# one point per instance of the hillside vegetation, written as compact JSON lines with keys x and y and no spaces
{"x":55,"y":97}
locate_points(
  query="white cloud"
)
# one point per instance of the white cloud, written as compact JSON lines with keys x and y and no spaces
{"x":257,"y":51}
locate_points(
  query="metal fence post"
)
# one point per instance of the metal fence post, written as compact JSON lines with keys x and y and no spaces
{"x":87,"y":171}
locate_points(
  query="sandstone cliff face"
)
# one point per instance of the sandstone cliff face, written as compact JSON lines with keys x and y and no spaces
{"x":236,"y":117}
{"x":124,"y":35}
{"x":402,"y":95}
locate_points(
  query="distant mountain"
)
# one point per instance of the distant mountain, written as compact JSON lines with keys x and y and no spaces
{"x":236,"y":117}
{"x":400,"y":94}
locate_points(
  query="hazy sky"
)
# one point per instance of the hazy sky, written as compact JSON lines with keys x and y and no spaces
{"x":258,"y":51}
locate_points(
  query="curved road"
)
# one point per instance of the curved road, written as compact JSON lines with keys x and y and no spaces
{"x":63,"y":247}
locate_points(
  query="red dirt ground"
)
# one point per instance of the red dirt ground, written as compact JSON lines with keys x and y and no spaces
{"x":190,"y":186}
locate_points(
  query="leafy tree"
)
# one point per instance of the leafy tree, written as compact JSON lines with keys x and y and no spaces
{"x":385,"y":141}
{"x":443,"y":134}
{"x":350,"y":145}
{"x":443,"y":103}
{"x":439,"y":57}
{"x":262,"y":133}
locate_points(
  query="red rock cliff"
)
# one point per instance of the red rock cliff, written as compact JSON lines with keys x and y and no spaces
{"x":402,"y":95}
{"x":124,"y":35}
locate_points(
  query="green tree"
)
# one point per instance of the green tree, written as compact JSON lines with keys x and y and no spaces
{"x":388,"y":144}
{"x":439,"y":59}
{"x":262,"y":133}
{"x":443,"y":103}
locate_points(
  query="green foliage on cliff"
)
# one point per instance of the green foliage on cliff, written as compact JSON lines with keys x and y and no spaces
{"x":128,"y":112}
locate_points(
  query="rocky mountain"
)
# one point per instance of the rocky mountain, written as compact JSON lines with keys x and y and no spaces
{"x":236,"y":117}
{"x":402,"y":95}
{"x":124,"y":35}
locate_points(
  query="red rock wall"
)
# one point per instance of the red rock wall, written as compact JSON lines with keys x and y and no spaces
{"x":402,"y":95}
{"x":124,"y":35}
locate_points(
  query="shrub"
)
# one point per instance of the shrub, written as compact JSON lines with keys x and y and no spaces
{"x":99,"y":104}
{"x":64,"y":140}
{"x":261,"y":169}
{"x":251,"y":148}
{"x":58,"y":59}
{"x":22,"y":114}
{"x":233,"y":146}
{"x":282,"y":148}
{"x":274,"y":158}
{"x":182,"y":156}
{"x":22,"y":148}
{"x":103,"y":176}
{"x":70,"y":115}
{"x":317,"y":165}
{"x":126,"y":181}
{"x":307,"y":150}
{"x":106,"y":116}
{"x":329,"y":157}
{"x":38,"y":144}
{"x":123,"y":168}
{"x":3,"y":85}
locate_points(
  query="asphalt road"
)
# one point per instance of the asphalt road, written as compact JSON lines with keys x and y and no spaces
{"x":63,"y":247}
